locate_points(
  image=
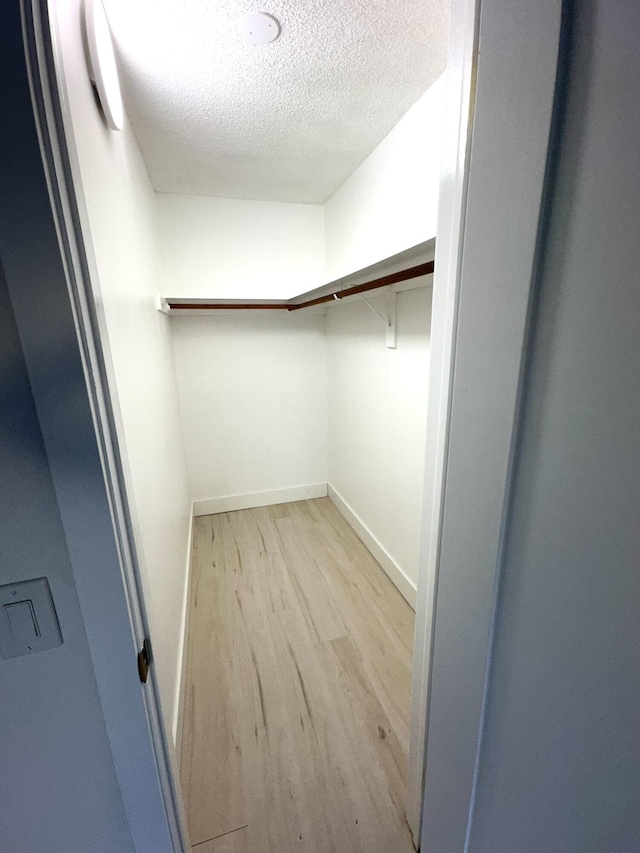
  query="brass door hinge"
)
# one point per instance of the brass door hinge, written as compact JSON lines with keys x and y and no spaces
{"x":144,"y":661}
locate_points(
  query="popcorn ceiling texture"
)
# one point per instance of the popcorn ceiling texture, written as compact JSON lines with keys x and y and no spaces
{"x":288,"y":121}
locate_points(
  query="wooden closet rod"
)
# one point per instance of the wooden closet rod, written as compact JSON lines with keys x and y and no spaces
{"x":384,"y":281}
{"x":231,"y":306}
{"x":292,"y":305}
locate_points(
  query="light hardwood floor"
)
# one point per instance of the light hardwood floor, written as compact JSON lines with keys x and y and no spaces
{"x":296,"y":717}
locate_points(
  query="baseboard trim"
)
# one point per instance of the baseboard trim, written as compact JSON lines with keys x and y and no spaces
{"x":178,"y":714}
{"x":405,"y":586}
{"x":231,"y":503}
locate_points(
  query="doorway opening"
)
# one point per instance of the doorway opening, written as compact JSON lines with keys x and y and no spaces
{"x":274,"y":450}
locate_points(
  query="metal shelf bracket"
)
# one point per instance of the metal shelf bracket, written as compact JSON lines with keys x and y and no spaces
{"x":390,"y":320}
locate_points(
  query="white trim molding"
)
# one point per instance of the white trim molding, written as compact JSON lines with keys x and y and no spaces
{"x":454,"y":168}
{"x":396,"y":574}
{"x":230,"y":503}
{"x":178,"y":708}
{"x":514,"y":96}
{"x":91,"y":494}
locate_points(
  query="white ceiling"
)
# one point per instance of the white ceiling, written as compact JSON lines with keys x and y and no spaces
{"x":288,"y":121}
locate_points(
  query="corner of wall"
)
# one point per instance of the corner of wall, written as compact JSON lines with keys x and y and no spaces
{"x":392,"y":569}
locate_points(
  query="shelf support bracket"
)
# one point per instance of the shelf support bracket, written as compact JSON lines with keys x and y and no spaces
{"x":375,"y":311}
{"x":392,"y":329}
{"x":390,"y":320}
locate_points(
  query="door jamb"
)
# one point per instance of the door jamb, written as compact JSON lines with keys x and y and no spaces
{"x":60,"y":165}
{"x":461,"y":63}
{"x":520,"y":49}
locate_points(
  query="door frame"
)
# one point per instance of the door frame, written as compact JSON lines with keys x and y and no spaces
{"x":461,"y":62}
{"x":476,"y":86}
{"x":112,"y":602}
{"x":483,"y":294}
{"x":62,"y":175}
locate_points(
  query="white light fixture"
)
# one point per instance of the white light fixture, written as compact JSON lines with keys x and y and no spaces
{"x":259,"y":27}
{"x":102,"y":63}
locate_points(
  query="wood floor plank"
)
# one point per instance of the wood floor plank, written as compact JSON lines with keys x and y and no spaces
{"x":212,"y":808}
{"x":314,"y":594}
{"x":380,"y":621}
{"x":298,"y":675}
{"x":376,"y":732}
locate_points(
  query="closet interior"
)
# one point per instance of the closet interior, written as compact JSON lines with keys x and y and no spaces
{"x":267,"y":343}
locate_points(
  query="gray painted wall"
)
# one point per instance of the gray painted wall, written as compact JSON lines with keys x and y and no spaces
{"x":560,"y":758}
{"x":58,"y":787}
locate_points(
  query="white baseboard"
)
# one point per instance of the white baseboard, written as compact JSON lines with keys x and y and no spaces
{"x":178,"y":708}
{"x":276,"y":496}
{"x":396,"y":574}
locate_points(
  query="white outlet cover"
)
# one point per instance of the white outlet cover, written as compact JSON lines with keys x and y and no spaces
{"x":259,"y":27}
{"x":33,"y":624}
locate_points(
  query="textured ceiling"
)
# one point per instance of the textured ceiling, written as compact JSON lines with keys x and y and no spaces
{"x":288,"y":121}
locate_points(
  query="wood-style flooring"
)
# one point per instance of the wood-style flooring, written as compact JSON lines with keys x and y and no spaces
{"x":296,"y":704}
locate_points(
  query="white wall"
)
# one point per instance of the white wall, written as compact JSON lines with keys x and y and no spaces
{"x":124,"y":232}
{"x":377,"y":404}
{"x":253,"y":396}
{"x":390,"y":202}
{"x":252,"y":420}
{"x":230,"y":248}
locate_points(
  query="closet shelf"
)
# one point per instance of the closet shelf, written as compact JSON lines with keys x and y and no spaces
{"x":329,"y":293}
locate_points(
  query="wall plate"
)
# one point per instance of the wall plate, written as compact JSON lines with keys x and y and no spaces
{"x":28,"y":619}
